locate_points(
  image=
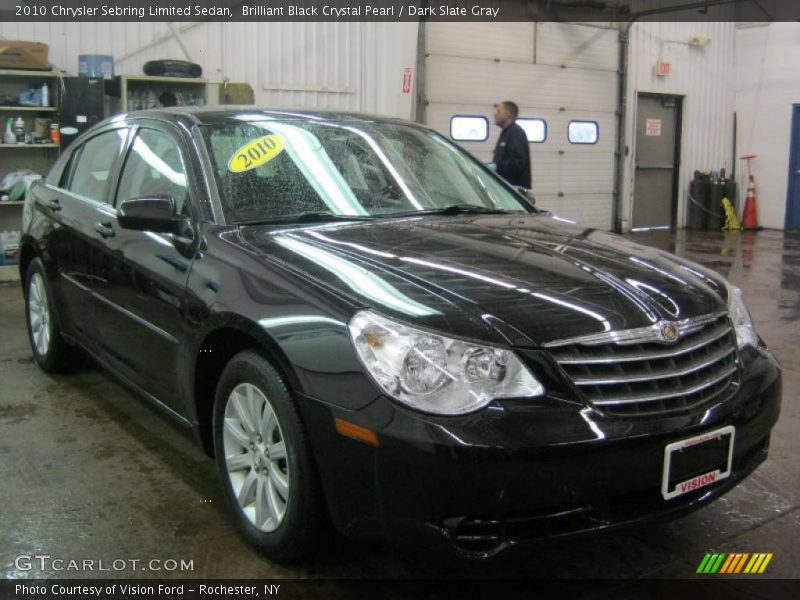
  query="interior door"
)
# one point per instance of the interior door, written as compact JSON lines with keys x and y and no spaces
{"x":654,"y":197}
{"x":144,"y":273}
{"x":793,"y":199}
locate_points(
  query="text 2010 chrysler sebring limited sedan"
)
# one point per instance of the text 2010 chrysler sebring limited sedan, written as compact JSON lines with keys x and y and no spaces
{"x":364,"y":324}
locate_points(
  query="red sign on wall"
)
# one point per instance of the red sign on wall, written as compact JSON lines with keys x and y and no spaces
{"x":407,"y":80}
{"x":663,"y":68}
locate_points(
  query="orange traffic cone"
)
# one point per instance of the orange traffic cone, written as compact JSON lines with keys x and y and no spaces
{"x":750,"y":214}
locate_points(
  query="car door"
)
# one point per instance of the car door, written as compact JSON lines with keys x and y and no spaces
{"x":141,"y":280}
{"x":83,"y":192}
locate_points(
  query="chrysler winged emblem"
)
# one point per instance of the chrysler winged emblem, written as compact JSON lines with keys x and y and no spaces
{"x":669,"y":332}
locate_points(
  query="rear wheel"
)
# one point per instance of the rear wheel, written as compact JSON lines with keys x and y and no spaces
{"x":50,"y":351}
{"x":264,"y":460}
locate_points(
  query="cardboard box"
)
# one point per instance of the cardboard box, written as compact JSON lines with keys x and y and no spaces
{"x":23,"y":55}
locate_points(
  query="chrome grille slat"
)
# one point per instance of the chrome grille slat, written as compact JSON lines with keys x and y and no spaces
{"x":693,"y":390}
{"x":649,"y":376}
{"x":636,"y":336}
{"x":659,"y":375}
{"x":668,"y":352}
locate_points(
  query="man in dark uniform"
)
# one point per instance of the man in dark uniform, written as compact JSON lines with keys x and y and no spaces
{"x":512,"y":159}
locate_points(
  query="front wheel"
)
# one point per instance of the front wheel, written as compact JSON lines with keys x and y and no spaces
{"x":264,"y":460}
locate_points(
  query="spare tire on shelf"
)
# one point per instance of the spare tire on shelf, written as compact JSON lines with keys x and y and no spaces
{"x":172,"y":68}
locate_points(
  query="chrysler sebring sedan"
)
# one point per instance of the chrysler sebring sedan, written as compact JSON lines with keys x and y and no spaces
{"x":363,"y":325}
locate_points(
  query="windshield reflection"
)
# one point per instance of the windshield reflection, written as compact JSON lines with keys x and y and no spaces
{"x":353,"y":167}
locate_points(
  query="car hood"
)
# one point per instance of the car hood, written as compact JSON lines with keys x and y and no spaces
{"x":533,"y":279}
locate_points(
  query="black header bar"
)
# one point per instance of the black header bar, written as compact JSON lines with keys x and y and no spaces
{"x":609,"y":11}
{"x":733,"y":588}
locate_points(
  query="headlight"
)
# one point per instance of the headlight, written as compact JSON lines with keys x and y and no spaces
{"x":740,"y":316}
{"x":434,"y":373}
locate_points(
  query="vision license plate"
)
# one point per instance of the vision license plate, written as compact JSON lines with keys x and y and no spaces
{"x":697,"y":462}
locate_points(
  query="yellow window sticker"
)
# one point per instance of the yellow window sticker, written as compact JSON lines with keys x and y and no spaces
{"x":255,"y":153}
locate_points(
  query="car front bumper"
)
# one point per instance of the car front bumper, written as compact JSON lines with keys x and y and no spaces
{"x":518,"y":472}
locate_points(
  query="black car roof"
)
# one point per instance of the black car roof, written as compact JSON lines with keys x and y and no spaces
{"x":216,"y":114}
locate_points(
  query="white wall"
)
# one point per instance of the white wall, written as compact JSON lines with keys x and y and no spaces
{"x":358,"y":66}
{"x":704,"y":77}
{"x":767,"y":85}
{"x":348,"y":66}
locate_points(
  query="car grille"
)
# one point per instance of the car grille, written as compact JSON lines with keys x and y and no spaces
{"x":647,"y":377}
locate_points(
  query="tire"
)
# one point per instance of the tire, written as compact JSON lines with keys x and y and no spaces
{"x":50,"y":351}
{"x":260,"y":442}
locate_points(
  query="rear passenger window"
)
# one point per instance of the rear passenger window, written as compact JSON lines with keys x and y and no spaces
{"x":466,"y":128}
{"x":66,"y":174}
{"x":583,"y":132}
{"x":90,"y":169}
{"x":535,"y":129}
{"x":154,"y":167}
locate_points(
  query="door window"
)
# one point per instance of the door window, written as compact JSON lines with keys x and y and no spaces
{"x":466,"y":128}
{"x":535,"y":129}
{"x":583,"y":132}
{"x":154,"y":167}
{"x":93,"y":163}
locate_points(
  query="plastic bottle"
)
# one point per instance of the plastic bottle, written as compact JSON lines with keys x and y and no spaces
{"x":19,"y":130}
{"x":9,"y":137}
{"x":45,"y":95}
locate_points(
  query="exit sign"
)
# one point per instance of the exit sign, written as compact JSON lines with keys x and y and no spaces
{"x":663,"y":68}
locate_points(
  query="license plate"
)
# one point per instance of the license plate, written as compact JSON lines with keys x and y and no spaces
{"x":697,"y":462}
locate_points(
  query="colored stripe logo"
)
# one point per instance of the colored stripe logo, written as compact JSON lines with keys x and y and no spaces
{"x":734,"y":563}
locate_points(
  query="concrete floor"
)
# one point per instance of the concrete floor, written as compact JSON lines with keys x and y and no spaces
{"x":90,"y":471}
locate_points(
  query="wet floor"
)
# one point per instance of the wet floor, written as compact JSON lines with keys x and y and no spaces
{"x":89,"y":471}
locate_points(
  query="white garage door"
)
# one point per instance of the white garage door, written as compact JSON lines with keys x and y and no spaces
{"x":560,"y":73}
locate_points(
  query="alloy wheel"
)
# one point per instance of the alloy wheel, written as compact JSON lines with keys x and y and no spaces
{"x":39,"y":314}
{"x":256,"y":456}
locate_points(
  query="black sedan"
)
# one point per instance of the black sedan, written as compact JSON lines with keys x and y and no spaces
{"x":364,"y":325}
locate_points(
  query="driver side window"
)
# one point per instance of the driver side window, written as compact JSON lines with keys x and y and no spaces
{"x":154,"y":167}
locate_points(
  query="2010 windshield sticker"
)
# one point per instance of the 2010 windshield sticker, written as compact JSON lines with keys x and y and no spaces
{"x":255,"y":153}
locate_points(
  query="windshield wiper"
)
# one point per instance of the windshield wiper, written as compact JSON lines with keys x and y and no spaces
{"x":305,"y":217}
{"x":453,"y":209}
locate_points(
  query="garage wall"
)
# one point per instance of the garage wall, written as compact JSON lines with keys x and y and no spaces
{"x":554,"y":71}
{"x":767,"y":86}
{"x":350,"y":66}
{"x":705,"y":77}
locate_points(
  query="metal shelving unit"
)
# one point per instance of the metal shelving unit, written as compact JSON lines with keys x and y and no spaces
{"x":37,"y":157}
{"x":126,"y":92}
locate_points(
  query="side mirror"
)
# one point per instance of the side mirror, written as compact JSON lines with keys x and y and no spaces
{"x":152,"y":213}
{"x":525,"y":193}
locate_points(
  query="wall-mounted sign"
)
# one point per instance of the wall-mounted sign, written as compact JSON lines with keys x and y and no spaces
{"x":663,"y":68}
{"x":652,"y":127}
{"x":407,"y":80}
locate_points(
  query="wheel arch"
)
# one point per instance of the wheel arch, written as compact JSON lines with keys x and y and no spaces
{"x":218,"y":346}
{"x":27,"y":252}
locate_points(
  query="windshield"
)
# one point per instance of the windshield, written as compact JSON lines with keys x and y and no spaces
{"x":268,"y":169}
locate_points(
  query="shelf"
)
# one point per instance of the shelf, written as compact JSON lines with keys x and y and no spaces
{"x":12,"y":202}
{"x":28,"y":108}
{"x":159,"y":79}
{"x":28,"y":73}
{"x":21,"y":146}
